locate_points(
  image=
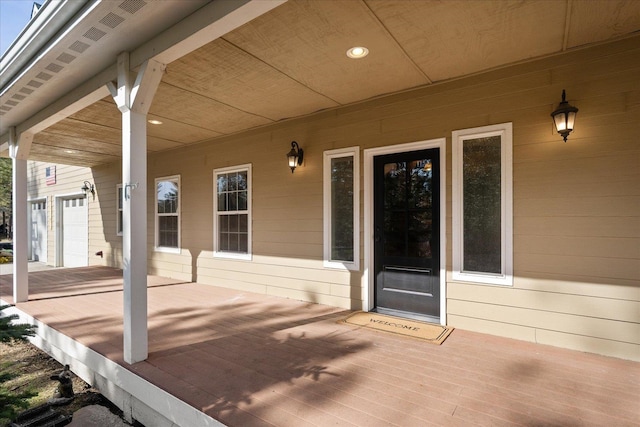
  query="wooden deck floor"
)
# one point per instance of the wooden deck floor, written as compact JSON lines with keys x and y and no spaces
{"x":253,"y":360}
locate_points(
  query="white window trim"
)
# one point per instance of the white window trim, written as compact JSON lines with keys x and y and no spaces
{"x":167,"y":249}
{"x":233,"y":255}
{"x":505,"y":131}
{"x":119,"y":226}
{"x":328,"y":156}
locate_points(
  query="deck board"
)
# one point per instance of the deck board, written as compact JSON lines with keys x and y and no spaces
{"x":255,"y":360}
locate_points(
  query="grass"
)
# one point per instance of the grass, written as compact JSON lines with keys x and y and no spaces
{"x":29,"y":371}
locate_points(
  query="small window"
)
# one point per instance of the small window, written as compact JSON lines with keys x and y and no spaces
{"x":120,"y":201}
{"x":168,"y":214}
{"x":483,"y":205}
{"x":232,"y":212}
{"x":341,"y":208}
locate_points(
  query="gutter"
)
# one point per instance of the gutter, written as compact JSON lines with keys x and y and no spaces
{"x":35,"y":37}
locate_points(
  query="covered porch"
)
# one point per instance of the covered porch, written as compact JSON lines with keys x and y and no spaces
{"x":246,"y":359}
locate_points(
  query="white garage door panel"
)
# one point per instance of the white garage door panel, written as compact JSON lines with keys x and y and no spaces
{"x":39,"y":231}
{"x":74,"y":233}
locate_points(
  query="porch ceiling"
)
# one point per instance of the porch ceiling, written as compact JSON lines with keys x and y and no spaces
{"x":291,"y":62}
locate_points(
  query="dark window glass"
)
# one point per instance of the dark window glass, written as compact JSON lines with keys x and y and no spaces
{"x":482,"y":205}
{"x":342,"y":209}
{"x":168,"y":231}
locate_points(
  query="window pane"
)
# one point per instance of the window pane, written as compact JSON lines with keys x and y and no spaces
{"x":222,"y":183}
{"x":232,"y":199}
{"x":342,"y":208}
{"x":168,"y":231}
{"x":481,"y":202}
{"x":224,"y":241}
{"x":167,"y":193}
{"x":243,"y":245}
{"x":233,"y":223}
{"x":242,"y":180}
{"x":120,"y":221}
{"x":243,"y":225}
{"x":395,"y":184}
{"x":119,"y":197}
{"x":242,"y":201}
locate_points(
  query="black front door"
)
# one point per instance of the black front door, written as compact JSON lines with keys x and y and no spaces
{"x":407,"y":233}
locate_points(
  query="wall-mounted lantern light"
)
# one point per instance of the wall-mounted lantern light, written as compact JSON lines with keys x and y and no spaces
{"x":295,"y":156}
{"x":564,"y":117}
{"x":87,"y":187}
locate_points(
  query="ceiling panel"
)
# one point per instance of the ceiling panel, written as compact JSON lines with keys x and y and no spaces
{"x":308,"y":40}
{"x":91,"y":132}
{"x":53,"y":154}
{"x":104,"y":112}
{"x":197,"y":110}
{"x":78,"y":143}
{"x":593,"y":21}
{"x":452,"y":38}
{"x":159,"y":144}
{"x":229,"y":75}
{"x":179,"y":132}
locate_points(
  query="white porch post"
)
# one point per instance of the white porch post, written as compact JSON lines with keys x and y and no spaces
{"x":134,"y":100}
{"x":19,"y":146}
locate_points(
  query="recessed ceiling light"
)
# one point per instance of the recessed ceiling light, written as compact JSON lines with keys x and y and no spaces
{"x":155,"y":122}
{"x":69,"y":151}
{"x":357,"y":52}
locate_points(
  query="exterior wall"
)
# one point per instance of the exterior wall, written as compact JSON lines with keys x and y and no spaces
{"x":576,"y":204}
{"x":101,"y":208}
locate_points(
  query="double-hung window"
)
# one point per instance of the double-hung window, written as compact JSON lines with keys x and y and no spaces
{"x":341,"y":177}
{"x":232,"y":212}
{"x":483,"y":205}
{"x":168,"y":214}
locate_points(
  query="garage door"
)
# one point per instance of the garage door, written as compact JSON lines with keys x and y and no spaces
{"x":38,"y":238}
{"x":74,"y":232}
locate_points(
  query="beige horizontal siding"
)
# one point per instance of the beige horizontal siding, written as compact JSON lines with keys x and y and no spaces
{"x":619,"y":309}
{"x":548,"y":320}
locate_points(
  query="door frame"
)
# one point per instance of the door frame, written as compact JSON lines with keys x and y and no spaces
{"x":30,"y":228}
{"x":368,"y":279}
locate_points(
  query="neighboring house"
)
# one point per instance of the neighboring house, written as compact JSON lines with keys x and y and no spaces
{"x":432,"y":185}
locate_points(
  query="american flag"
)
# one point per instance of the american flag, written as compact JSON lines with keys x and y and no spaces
{"x":50,"y":175}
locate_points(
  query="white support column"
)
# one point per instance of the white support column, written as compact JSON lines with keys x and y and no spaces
{"x":19,"y":146}
{"x":133,"y":101}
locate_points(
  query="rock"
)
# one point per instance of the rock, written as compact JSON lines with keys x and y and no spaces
{"x":96,"y":416}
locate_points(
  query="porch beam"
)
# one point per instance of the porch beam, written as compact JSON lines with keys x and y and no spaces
{"x":19,"y":147}
{"x":203,"y":26}
{"x":133,"y":98}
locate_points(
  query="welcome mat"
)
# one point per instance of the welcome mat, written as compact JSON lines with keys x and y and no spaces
{"x":429,"y":332}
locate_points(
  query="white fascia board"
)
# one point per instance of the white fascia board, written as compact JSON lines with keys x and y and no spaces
{"x":50,"y":19}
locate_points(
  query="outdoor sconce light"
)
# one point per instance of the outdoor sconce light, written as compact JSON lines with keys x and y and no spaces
{"x":88,"y":187}
{"x":295,"y":156}
{"x":564,"y":117}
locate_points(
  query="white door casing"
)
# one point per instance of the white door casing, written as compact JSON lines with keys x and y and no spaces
{"x":38,"y":230}
{"x":368,"y":279}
